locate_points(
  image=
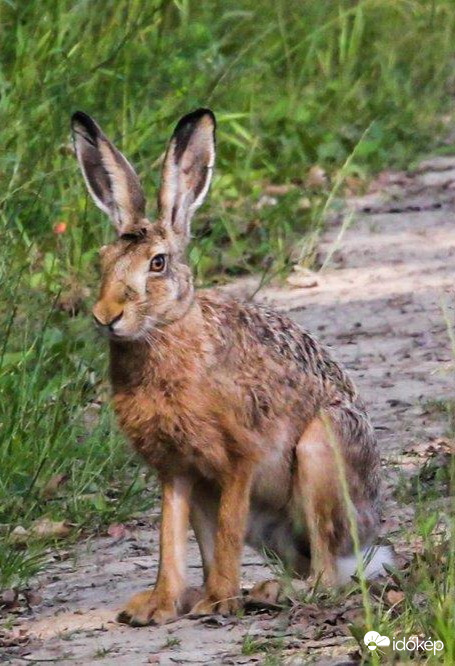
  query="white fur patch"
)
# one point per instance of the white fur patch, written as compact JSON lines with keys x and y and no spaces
{"x":373,"y":567}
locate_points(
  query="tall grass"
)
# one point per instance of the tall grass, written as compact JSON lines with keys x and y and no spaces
{"x":294,"y":84}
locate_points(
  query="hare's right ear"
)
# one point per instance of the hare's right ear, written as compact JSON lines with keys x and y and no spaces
{"x":187,"y":171}
{"x":110,"y":178}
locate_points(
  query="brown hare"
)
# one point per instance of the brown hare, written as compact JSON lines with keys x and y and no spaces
{"x":249,"y":422}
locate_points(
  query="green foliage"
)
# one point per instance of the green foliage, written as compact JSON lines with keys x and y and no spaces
{"x":294,"y":84}
{"x":54,"y":422}
{"x":428,"y":586}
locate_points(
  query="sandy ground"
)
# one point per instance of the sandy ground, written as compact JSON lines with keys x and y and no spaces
{"x":383,"y":303}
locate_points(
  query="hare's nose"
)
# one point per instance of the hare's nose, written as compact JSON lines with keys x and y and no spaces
{"x":114,"y":321}
{"x":109,"y":324}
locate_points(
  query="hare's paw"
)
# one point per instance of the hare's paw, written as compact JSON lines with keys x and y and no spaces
{"x":266,"y":592}
{"x":147,"y":608}
{"x":211,"y":605}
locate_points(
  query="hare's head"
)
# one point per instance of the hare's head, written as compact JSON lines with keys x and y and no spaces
{"x":146,"y":281}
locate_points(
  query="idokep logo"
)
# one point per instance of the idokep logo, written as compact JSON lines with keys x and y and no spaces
{"x":374,"y":641}
{"x":414,"y":643}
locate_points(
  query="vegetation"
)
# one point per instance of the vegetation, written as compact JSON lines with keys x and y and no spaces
{"x":415,"y":601}
{"x":350,"y":87}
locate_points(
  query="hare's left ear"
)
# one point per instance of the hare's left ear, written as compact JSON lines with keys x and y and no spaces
{"x":110,"y":178}
{"x":187,"y":171}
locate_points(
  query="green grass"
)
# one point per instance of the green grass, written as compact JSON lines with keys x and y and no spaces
{"x":351,"y":87}
{"x":426,"y":584}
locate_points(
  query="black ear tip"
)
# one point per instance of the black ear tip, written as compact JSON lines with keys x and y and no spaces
{"x":81,"y":118}
{"x":203,"y":111}
{"x":191,"y":119}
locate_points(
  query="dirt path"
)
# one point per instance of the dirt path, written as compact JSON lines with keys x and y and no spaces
{"x":379,"y":305}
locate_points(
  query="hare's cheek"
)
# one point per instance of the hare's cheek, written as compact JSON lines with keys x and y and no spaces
{"x":164,"y":294}
{"x":183,"y":289}
{"x":132,"y":322}
{"x":137,"y":285}
{"x":175,"y":291}
{"x":131,"y":295}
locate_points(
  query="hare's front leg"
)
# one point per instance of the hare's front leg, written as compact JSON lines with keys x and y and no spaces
{"x":205,"y":501}
{"x":162,"y":603}
{"x":222,"y":586}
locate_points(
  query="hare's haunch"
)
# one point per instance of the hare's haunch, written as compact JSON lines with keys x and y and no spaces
{"x":250,"y":423}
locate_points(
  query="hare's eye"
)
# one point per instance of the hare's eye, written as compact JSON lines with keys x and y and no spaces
{"x":158,"y":263}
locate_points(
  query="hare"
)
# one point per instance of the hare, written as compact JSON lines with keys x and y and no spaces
{"x":255,"y":431}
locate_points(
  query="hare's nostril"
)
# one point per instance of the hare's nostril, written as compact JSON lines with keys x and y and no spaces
{"x":115,"y":320}
{"x":97,"y":321}
{"x":108,"y":324}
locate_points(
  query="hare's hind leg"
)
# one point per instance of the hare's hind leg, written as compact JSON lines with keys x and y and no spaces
{"x":317,"y":499}
{"x":332,"y":449}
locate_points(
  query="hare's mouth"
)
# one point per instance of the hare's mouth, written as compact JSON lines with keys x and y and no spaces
{"x":124,"y":331}
{"x":111,"y":334}
{"x":134,"y":334}
{"x":125,"y":336}
{"x":118,"y":336}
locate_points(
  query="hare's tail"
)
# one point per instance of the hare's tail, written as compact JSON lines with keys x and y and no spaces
{"x":374,"y":559}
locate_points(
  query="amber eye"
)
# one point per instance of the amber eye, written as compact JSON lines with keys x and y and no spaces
{"x":158,"y":263}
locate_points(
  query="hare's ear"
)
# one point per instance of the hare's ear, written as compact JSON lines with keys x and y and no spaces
{"x":187,"y":171}
{"x":110,"y":178}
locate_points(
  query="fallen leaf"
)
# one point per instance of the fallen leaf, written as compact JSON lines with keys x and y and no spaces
{"x":279,"y":190}
{"x":302,"y":278}
{"x":316,"y":178}
{"x":265,"y":200}
{"x":354,"y":185}
{"x":394,"y":597}
{"x":353,"y":615}
{"x":304,"y":203}
{"x":54,"y":483}
{"x":19,"y":535}
{"x":13,"y":638}
{"x":45,"y":528}
{"x":432,"y":448}
{"x":117,"y":531}
{"x":32,"y":597}
{"x":387,"y":178}
{"x":8,"y":598}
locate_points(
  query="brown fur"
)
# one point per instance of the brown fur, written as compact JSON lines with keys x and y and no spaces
{"x":234,"y":405}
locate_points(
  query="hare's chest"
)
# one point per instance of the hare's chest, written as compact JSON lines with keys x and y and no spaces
{"x":153,"y":424}
{"x":170,"y":433}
